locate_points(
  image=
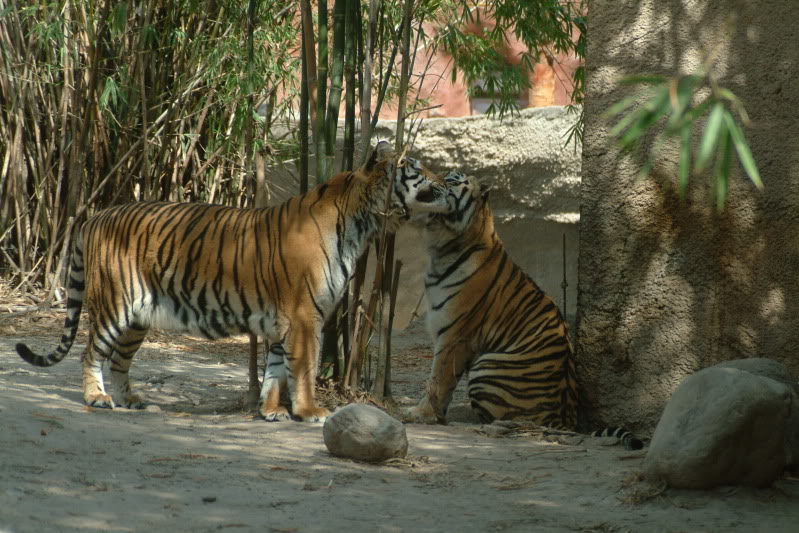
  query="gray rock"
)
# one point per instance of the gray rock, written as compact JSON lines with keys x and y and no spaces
{"x":723,"y":426}
{"x":770,"y":368}
{"x":365,"y":433}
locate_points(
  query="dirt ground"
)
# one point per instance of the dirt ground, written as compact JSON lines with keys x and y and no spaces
{"x":196,"y":462}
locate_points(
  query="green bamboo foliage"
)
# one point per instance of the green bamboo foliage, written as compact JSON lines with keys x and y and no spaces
{"x":110,"y":102}
{"x":673,"y":108}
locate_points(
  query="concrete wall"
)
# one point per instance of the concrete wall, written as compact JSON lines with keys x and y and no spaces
{"x":669,"y":287}
{"x":535,"y":199}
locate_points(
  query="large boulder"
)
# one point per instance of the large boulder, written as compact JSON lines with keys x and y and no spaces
{"x":364,"y":433}
{"x":770,"y":368}
{"x":723,"y":426}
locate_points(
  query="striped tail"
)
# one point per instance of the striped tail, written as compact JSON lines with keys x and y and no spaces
{"x":74,"y":304}
{"x":628,"y":440}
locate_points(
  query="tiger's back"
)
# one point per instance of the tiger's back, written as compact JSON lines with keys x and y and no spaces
{"x":487,"y":317}
{"x":211,"y":270}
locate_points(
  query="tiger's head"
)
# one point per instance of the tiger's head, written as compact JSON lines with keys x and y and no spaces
{"x":415,"y":189}
{"x":467,"y":201}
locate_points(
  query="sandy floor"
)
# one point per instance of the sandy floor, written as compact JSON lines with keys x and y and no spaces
{"x":198,"y":463}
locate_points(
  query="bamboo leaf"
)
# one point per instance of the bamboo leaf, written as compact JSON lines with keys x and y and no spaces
{"x":744,"y":154}
{"x":710,"y":137}
{"x":683,"y":92}
{"x":646,"y":79}
{"x":625,"y":122}
{"x":726,"y":94}
{"x":685,"y":159}
{"x":620,"y":106}
{"x":119,"y":17}
{"x":692,"y":114}
{"x":722,"y":171}
{"x":656,"y":105}
{"x":646,"y":168}
{"x":653,"y":111}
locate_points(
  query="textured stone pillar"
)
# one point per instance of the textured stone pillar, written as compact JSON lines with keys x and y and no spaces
{"x":669,"y":287}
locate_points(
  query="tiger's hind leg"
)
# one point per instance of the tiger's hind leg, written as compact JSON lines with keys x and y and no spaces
{"x":92,"y":363}
{"x":125,"y":347}
{"x":275,"y":386}
{"x":119,"y":345}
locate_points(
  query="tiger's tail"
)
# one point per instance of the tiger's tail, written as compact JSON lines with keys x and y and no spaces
{"x":628,"y":440}
{"x":75,"y":291}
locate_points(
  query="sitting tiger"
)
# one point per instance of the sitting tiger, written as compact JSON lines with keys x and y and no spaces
{"x":490,"y":319}
{"x":216,"y":271}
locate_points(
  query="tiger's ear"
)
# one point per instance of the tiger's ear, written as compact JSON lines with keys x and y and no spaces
{"x":382,"y":152}
{"x":485,"y":187}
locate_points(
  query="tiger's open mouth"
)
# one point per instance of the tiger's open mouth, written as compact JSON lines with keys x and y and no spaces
{"x":428,"y":195}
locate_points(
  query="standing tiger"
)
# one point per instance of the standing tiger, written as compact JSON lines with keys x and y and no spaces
{"x":487,"y":317}
{"x":490,"y":319}
{"x":216,"y":271}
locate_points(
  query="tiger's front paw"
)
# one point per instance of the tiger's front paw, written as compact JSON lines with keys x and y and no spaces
{"x":99,"y":400}
{"x":312,"y":414}
{"x":278,"y":414}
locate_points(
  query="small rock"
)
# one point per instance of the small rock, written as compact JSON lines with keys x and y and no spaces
{"x":493,"y":430}
{"x":722,"y":426}
{"x":153,"y":409}
{"x":365,"y":433}
{"x":512,"y":424}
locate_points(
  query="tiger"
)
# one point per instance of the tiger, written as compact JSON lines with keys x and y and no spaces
{"x":489,"y":319}
{"x":215,"y":271}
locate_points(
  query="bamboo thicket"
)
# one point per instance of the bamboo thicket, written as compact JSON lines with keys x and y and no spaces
{"x":105,"y":103}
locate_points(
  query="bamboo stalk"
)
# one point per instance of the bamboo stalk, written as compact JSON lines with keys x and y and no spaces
{"x":353,"y":28}
{"x":382,"y":386}
{"x":336,"y":81}
{"x":321,"y":171}
{"x":366,"y":89}
{"x":254,"y":388}
{"x":304,"y":103}
{"x":352,"y":376}
{"x":384,"y":333}
{"x":310,"y":58}
{"x":392,"y":308}
{"x":404,"y":75}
